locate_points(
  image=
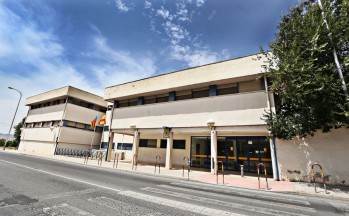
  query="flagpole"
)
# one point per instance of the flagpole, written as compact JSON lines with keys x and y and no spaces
{"x":93,"y":136}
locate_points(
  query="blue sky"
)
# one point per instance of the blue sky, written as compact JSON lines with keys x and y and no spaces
{"x":92,"y":44}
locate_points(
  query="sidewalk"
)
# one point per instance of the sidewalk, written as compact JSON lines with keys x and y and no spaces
{"x":232,"y":180}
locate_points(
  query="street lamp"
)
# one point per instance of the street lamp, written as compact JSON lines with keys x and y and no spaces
{"x":20,"y":97}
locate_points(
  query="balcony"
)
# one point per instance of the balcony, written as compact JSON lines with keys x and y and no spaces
{"x":228,"y":110}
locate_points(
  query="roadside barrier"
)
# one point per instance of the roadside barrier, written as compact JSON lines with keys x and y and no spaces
{"x":116,"y":156}
{"x":157,"y":162}
{"x":242,"y":170}
{"x":217,"y":168}
{"x":266,"y":177}
{"x":188,"y":164}
{"x":322,"y":175}
{"x":134,"y":162}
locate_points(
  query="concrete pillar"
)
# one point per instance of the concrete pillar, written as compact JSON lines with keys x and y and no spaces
{"x":135,"y":146}
{"x":110,"y":146}
{"x":169,"y":147}
{"x":213,"y":149}
{"x":274,"y":162}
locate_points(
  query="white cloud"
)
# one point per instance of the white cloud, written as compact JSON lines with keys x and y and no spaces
{"x":200,"y":3}
{"x":147,"y":4}
{"x":212,"y":14}
{"x":122,"y":6}
{"x":163,"y":13}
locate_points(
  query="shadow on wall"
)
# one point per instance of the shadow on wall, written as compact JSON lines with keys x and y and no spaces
{"x":327,"y":149}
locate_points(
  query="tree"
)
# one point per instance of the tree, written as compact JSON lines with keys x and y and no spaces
{"x":302,"y":69}
{"x":17,"y":134}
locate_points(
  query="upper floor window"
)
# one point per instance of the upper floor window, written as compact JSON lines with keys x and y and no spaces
{"x":227,"y":89}
{"x":183,"y":95}
{"x":150,"y":143}
{"x":198,"y":93}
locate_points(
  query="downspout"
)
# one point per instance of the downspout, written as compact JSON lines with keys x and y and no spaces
{"x":274,"y":155}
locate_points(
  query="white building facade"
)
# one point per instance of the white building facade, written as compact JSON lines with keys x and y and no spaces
{"x":61,"y":118}
{"x":212,"y":113}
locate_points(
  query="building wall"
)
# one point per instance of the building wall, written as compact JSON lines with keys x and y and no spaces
{"x":38,"y":134}
{"x":328,"y":149}
{"x":79,"y":137}
{"x":80,"y":114}
{"x":37,"y":147}
{"x":50,"y":113}
{"x":226,"y":110}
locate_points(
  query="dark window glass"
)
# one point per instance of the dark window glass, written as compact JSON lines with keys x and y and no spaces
{"x":227,"y":90}
{"x":201,"y":93}
{"x":132,"y":102}
{"x":184,"y":97}
{"x":161,"y":99}
{"x":150,"y":143}
{"x":123,"y":103}
{"x":178,"y":144}
{"x":106,"y":128}
{"x":124,"y":146}
{"x":149,"y":100}
{"x":163,"y":143}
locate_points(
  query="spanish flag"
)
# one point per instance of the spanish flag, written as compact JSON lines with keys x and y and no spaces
{"x":102,"y":121}
{"x":93,"y":122}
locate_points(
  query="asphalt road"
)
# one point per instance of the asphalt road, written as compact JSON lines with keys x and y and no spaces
{"x":36,"y":186}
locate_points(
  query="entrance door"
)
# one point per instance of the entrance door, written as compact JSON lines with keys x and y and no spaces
{"x":201,"y":152}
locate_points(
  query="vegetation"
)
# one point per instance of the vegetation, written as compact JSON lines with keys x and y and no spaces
{"x":304,"y":77}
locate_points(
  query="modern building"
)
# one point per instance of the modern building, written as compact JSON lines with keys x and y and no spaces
{"x":205,"y":114}
{"x":61,"y":118}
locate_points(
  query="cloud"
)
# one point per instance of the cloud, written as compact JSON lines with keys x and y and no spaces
{"x":147,"y":4}
{"x":122,"y":6}
{"x":182,"y":44}
{"x":212,"y":14}
{"x":200,"y":3}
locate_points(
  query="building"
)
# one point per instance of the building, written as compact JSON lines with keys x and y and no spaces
{"x":208,"y":113}
{"x":61,"y":118}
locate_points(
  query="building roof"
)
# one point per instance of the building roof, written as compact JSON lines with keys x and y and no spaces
{"x":64,"y":92}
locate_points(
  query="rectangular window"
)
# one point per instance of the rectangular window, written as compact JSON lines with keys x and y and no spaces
{"x":71,"y":124}
{"x":150,"y":143}
{"x":133,"y":102}
{"x":183,"y":95}
{"x":199,"y":93}
{"x":178,"y":144}
{"x":41,"y":124}
{"x":52,"y":123}
{"x":123,"y":103}
{"x":150,"y":100}
{"x":227,"y":89}
{"x":162,"y":98}
{"x":106,"y":128}
{"x":163,"y":143}
{"x":125,"y":146}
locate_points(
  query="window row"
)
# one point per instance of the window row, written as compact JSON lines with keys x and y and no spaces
{"x":152,"y":143}
{"x":81,"y":126}
{"x":45,"y":124}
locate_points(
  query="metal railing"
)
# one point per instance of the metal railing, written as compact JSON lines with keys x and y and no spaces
{"x":157,"y":162}
{"x":116,"y":159}
{"x":134,"y":162}
{"x":217,"y":168}
{"x":188,"y":165}
{"x":314,"y":176}
{"x":266,"y":177}
{"x":71,"y":152}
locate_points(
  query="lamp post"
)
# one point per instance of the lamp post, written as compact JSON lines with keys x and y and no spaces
{"x":20,"y":97}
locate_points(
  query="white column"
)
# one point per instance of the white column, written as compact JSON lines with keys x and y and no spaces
{"x":213,"y":150}
{"x":169,"y":147}
{"x":135,"y":146}
{"x":274,"y":160}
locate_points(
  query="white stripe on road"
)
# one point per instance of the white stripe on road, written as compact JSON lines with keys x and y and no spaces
{"x":64,"y":209}
{"x":176,"y":204}
{"x":255,"y":209}
{"x":65,"y":194}
{"x":242,"y":199}
{"x":62,"y":176}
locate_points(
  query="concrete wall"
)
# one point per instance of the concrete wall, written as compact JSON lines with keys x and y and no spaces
{"x":328,"y":149}
{"x":38,"y":134}
{"x":51,"y":113}
{"x":207,"y":74}
{"x":37,"y":147}
{"x":78,"y":136}
{"x":80,"y":114}
{"x":226,"y":110}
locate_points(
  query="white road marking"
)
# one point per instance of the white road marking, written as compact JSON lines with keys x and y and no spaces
{"x":176,"y":204}
{"x":64,"y":209}
{"x":65,"y":194}
{"x":264,"y":202}
{"x":255,"y":209}
{"x":62,"y":176}
{"x":244,"y":192}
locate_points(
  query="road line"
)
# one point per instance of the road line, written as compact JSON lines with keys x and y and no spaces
{"x":257,"y":201}
{"x":255,"y":209}
{"x":176,"y":204}
{"x":62,"y":176}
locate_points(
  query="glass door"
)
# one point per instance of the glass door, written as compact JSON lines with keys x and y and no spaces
{"x":201,"y":152}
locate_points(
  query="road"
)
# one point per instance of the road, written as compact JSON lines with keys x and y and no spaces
{"x":37,"y":186}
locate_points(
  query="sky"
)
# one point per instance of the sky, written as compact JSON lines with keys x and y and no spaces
{"x":93,"y":44}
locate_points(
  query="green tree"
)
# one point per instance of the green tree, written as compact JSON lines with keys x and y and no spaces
{"x":17,"y":134}
{"x":303,"y":72}
{"x":2,"y":142}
